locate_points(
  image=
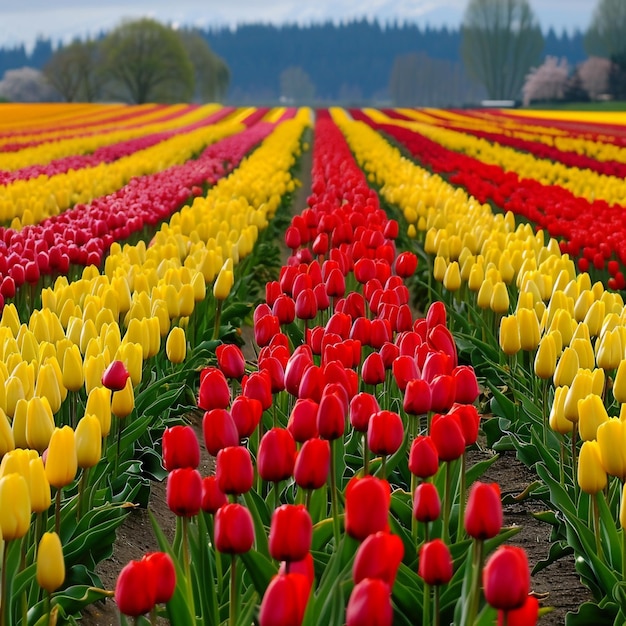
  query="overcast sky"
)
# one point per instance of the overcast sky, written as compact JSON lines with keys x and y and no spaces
{"x":21,"y":21}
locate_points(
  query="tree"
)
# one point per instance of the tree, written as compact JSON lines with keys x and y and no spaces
{"x":25,"y":85}
{"x":500,"y":41}
{"x":594,"y":76}
{"x":74,"y":71}
{"x":145,"y":61}
{"x":606,"y":36}
{"x":548,"y":82}
{"x":211,"y":74}
{"x":296,"y":85}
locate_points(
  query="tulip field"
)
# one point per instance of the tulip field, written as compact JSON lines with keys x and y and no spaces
{"x":350,"y":315}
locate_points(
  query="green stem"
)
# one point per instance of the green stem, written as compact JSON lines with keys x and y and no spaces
{"x":186,"y":562}
{"x":426,"y":608}
{"x":562,"y":462}
{"x":47,"y":606}
{"x":81,"y":494}
{"x":477,"y":566}
{"x":233,"y":592}
{"x":307,"y":499}
{"x":413,"y":520}
{"x":276,"y":495}
{"x":218,"y":318}
{"x":4,"y":603}
{"x":544,"y":410}
{"x":596,"y":524}
{"x":574,"y":468}
{"x":57,"y":512}
{"x":366,"y":456}
{"x":436,"y":612}
{"x":333,"y":494}
{"x":383,"y":466}
{"x":459,"y":533}
{"x":447,"y":504}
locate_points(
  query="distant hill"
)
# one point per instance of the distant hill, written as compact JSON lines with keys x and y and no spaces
{"x":351,"y":62}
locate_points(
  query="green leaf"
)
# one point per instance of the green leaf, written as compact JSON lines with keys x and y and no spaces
{"x":260,"y":569}
{"x":592,"y":613}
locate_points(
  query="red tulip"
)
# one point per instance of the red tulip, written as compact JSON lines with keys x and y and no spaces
{"x":389,"y":352}
{"x":379,"y":556}
{"x":442,"y":392}
{"x":312,"y":464}
{"x":404,"y":369}
{"x":373,"y":370}
{"x":231,"y":361}
{"x":426,"y":503}
{"x":306,"y":567}
{"x":440,"y":338}
{"x":436,"y":314}
{"x":385,"y":432}
{"x":361,"y":330}
{"x":246,"y":413}
{"x":367,"y":506}
{"x":466,"y":384}
{"x":417,"y":397}
{"x":370,"y":604}
{"x":285,"y":600}
{"x":180,"y":448}
{"x":234,"y":529}
{"x":362,"y":407}
{"x":312,"y":384}
{"x":336,"y":284}
{"x":340,"y":324}
{"x":295,"y":368}
{"x":292,"y":238}
{"x":133,"y":596}
{"x":423,"y":457}
{"x":364,"y":270}
{"x":259,"y":386}
{"x":184,"y":492}
{"x":526,"y":615}
{"x":469,"y":419}
{"x":233,"y":470}
{"x":265,"y":328}
{"x":321,"y":297}
{"x":331,"y":416}
{"x":380,"y":333}
{"x":483,"y":515}
{"x":291,"y":531}
{"x":219,"y":430}
{"x":272,"y":366}
{"x":276,"y":455}
{"x":163,"y":575}
{"x":302,"y":422}
{"x":284,"y":308}
{"x":212,"y":496}
{"x":214,"y":390}
{"x":115,"y":376}
{"x":448,"y":437}
{"x":272,"y":291}
{"x":306,"y":305}
{"x":435,"y":563}
{"x":506,"y":578}
{"x":406,"y":264}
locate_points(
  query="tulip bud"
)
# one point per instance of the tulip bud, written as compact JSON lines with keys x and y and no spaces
{"x":115,"y":376}
{"x":619,"y":384}
{"x":423,"y":457}
{"x":506,"y":578}
{"x":234,"y":471}
{"x":135,"y":592}
{"x":510,"y":342}
{"x":426,"y":503}
{"x":88,"y":441}
{"x":591,"y":474}
{"x":483,"y":515}
{"x":285,"y":600}
{"x":367,"y":506}
{"x":545,"y":359}
{"x":312,"y":464}
{"x":123,"y":401}
{"x":385,"y":432}
{"x":180,"y":448}
{"x":591,"y":414}
{"x":499,"y":302}
{"x":214,"y":390}
{"x":234,"y":529}
{"x":612,"y":443}
{"x":50,"y":562}
{"x":276,"y":455}
{"x":223,"y":283}
{"x":14,"y":506}
{"x":162,"y":575}
{"x":557,"y":420}
{"x":230,"y":360}
{"x":72,"y":367}
{"x":176,"y":345}
{"x":291,"y":532}
{"x":370,"y":604}
{"x":38,"y":486}
{"x":435,"y":563}
{"x":581,"y":387}
{"x":184,"y":492}
{"x":99,"y":404}
{"x":379,"y":556}
{"x":7,"y":441}
{"x":61,"y":459}
{"x":212,"y":496}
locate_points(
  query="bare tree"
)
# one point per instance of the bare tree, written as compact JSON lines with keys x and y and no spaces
{"x":145,"y":61}
{"x":74,"y":71}
{"x":548,"y":82}
{"x":501,"y":41}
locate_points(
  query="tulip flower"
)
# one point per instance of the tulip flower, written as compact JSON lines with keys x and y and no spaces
{"x":619,"y":384}
{"x":276,"y":455}
{"x":14,"y":507}
{"x":385,"y":433}
{"x":184,"y":491}
{"x":72,"y":368}
{"x":417,"y":397}
{"x":466,"y":384}
{"x":331,"y":416}
{"x":39,"y":423}
{"x":435,"y":563}
{"x":362,"y":407}
{"x":123,"y":401}
{"x":566,"y":368}
{"x":176,"y":345}
{"x":214,"y":391}
{"x":302,"y":422}
{"x":545,"y":359}
{"x":219,"y":430}
{"x":483,"y":514}
{"x":591,"y":473}
{"x":285,"y":600}
{"x":135,"y":591}
{"x":246,"y":413}
{"x":99,"y":404}
{"x":447,"y":435}
{"x":581,"y":387}
{"x":234,"y":471}
{"x":162,"y":575}
{"x":367,"y":506}
{"x":510,"y":341}
{"x":230,"y":360}
{"x":370,"y":604}
{"x":115,"y":376}
{"x":423,"y":457}
{"x":557,"y":420}
{"x":591,"y":414}
{"x":234,"y":529}
{"x":38,"y":486}
{"x":61,"y":460}
{"x":180,"y":448}
{"x":373,"y":369}
{"x":50,"y":563}
{"x":88,"y":437}
{"x":379,"y":556}
{"x":612,"y":442}
{"x":312,"y":464}
{"x":526,"y":615}
{"x":291,"y":531}
{"x":426,"y":503}
{"x":212,"y":496}
{"x":258,"y":385}
{"x":506,"y":578}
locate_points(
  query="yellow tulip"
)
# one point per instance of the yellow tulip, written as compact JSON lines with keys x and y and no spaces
{"x":61,"y":460}
{"x":7,"y":441}
{"x":73,"y":377}
{"x":15,"y":391}
{"x":619,"y":384}
{"x":557,"y":420}
{"x":47,"y":385}
{"x":186,"y":300}
{"x":476,"y":277}
{"x":38,"y":486}
{"x":123,"y":401}
{"x":99,"y":404}
{"x":499,"y":298}
{"x":591,"y":474}
{"x":176,"y":345}
{"x":545,"y":359}
{"x":39,"y":423}
{"x":509,"y":335}
{"x":18,"y":426}
{"x":595,"y":317}
{"x":581,"y":387}
{"x":452,"y":277}
{"x":612,"y":442}
{"x":439,"y":270}
{"x":14,"y":506}
{"x":50,"y":562}
{"x":591,"y":414}
{"x":584,"y":349}
{"x":131,"y":354}
{"x":93,"y":368}
{"x":566,"y":368}
{"x":528,"y":329}
{"x":88,"y":441}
